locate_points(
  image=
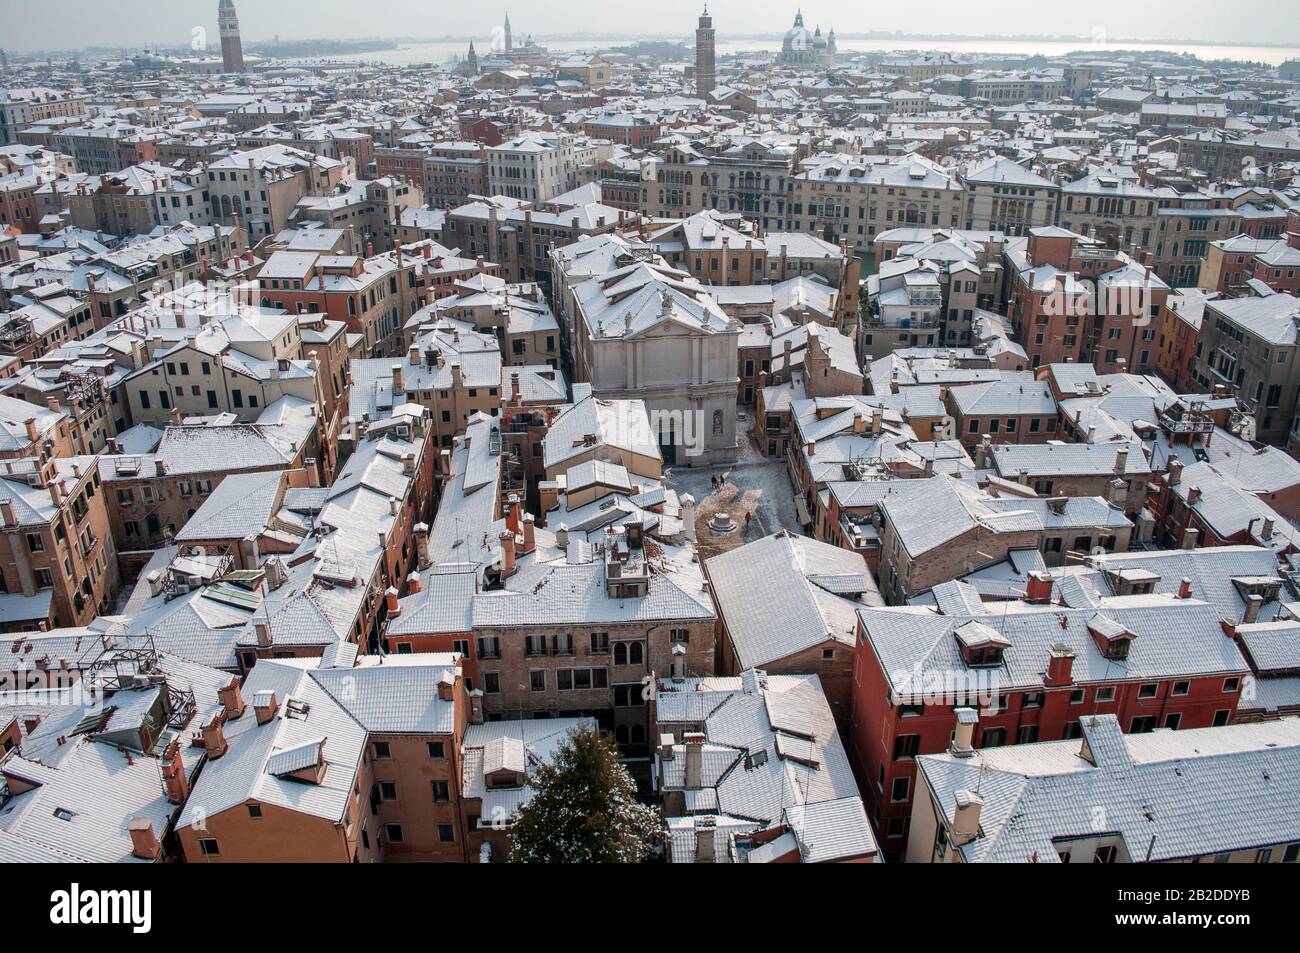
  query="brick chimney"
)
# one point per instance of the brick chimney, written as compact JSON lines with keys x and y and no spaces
{"x":232,"y":699}
{"x":214,"y":739}
{"x":507,"y":555}
{"x":1060,"y":667}
{"x":413,"y":583}
{"x":1038,"y":590}
{"x":422,"y":545}
{"x":1253,"y":604}
{"x":1185,"y":588}
{"x":1193,"y":495}
{"x":144,"y":842}
{"x":265,"y":705}
{"x":530,"y":533}
{"x":175,"y":782}
{"x":1190,"y":537}
{"x":391,"y":604}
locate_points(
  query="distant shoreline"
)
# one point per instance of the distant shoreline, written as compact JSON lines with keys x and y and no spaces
{"x":877,"y":35}
{"x":354,"y":45}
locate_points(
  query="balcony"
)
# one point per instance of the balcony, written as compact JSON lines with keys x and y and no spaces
{"x":1187,"y":425}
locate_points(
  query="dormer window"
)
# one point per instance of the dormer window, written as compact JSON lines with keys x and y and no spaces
{"x":981,"y":645}
{"x":1113,"y":640}
{"x":990,"y":655}
{"x":302,"y":762}
{"x":1117,"y":649}
{"x":1268,"y":588}
{"x":499,"y":780}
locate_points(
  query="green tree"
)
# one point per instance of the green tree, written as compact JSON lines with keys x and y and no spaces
{"x":584,"y":809}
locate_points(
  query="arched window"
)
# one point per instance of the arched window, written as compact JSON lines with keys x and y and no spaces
{"x":638,"y":734}
{"x":636,"y":654}
{"x":620,"y":653}
{"x":620,"y":734}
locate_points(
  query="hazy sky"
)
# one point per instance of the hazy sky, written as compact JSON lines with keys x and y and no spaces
{"x":67,"y":24}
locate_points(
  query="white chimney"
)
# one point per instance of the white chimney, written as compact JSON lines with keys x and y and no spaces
{"x":679,"y":662}
{"x":967,"y":719}
{"x":694,"y":742}
{"x":966,"y":818}
{"x":666,"y":742}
